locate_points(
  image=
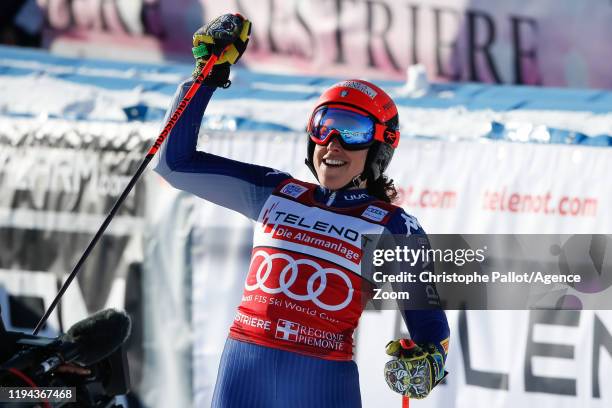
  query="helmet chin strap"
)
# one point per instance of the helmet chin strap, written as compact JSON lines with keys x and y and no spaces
{"x":355,"y":182}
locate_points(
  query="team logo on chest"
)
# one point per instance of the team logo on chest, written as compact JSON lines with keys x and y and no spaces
{"x":276,"y":218}
{"x":291,"y":229}
{"x":301,"y":279}
{"x":352,"y":197}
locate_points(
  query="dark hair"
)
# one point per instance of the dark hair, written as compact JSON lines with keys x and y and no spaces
{"x":382,"y":188}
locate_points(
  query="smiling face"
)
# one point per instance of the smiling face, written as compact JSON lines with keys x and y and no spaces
{"x":335,"y":166}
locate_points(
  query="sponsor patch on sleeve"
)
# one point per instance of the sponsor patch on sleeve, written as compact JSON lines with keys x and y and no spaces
{"x":374,"y":213}
{"x":293,"y":190}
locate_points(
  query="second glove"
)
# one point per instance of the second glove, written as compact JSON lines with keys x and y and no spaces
{"x":416,"y":370}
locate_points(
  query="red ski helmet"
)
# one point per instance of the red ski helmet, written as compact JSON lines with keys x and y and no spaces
{"x":366,"y":97}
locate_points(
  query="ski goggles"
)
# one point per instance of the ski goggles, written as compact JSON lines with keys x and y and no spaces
{"x":355,"y":129}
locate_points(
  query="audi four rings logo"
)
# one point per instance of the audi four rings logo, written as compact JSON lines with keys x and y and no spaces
{"x":289,"y":275}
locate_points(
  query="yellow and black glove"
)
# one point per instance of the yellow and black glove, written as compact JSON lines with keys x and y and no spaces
{"x":415,"y":370}
{"x":227,"y":37}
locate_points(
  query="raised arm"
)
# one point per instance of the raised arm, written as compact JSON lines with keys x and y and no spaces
{"x":232,"y":184}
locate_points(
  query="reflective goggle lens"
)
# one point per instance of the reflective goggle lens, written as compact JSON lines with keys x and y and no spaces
{"x":354,"y":128}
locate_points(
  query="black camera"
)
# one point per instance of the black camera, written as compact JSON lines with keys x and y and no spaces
{"x":38,"y":363}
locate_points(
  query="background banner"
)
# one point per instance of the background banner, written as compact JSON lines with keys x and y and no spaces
{"x":58,"y":182}
{"x":549,"y":42}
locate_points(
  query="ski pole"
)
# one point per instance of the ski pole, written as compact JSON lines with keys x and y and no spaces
{"x":150,"y":154}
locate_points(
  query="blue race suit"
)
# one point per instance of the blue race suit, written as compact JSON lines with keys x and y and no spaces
{"x":291,"y":342}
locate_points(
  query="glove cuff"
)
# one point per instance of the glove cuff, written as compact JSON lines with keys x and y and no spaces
{"x":218,"y":77}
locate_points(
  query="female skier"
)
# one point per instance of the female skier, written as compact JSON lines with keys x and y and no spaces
{"x":291,"y":342}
